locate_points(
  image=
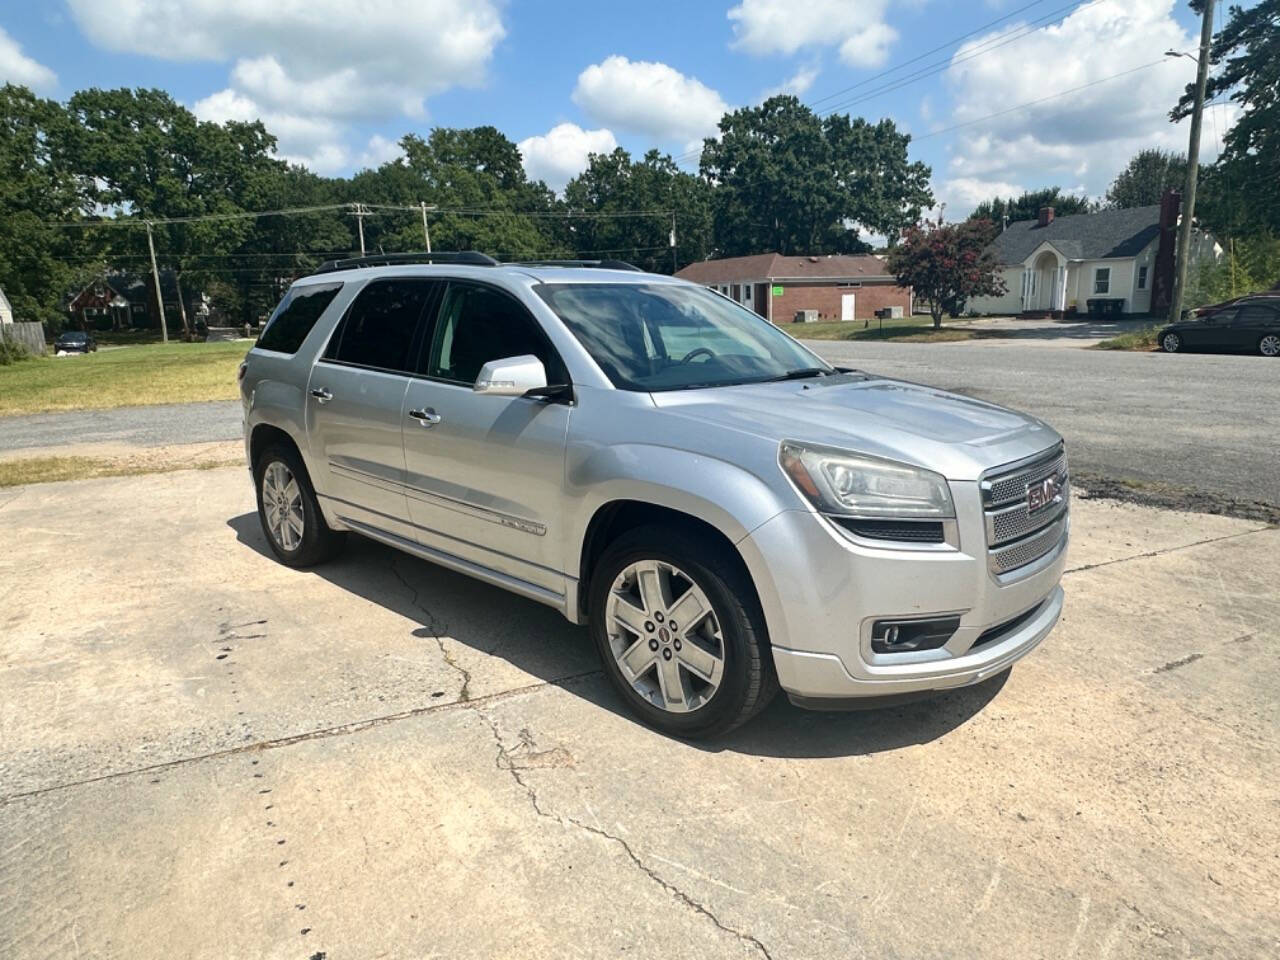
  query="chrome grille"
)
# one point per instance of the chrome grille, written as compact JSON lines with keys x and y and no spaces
{"x":1017,"y":536}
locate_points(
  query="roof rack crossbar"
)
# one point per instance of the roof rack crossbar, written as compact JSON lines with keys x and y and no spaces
{"x":596,"y":264}
{"x":472,"y":257}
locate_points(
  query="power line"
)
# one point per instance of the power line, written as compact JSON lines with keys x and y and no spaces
{"x":1032,"y":103}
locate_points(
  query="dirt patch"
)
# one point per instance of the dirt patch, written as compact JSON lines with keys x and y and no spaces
{"x":1169,"y":497}
{"x":113,"y":460}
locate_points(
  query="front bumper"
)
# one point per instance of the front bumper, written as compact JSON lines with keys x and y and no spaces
{"x":821,"y":593}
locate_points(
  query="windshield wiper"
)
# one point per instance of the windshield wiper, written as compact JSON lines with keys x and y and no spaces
{"x":802,"y":374}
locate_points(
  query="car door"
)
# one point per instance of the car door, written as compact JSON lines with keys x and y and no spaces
{"x":484,"y":474}
{"x":1212,"y":332}
{"x":355,"y":400}
{"x":1252,"y":322}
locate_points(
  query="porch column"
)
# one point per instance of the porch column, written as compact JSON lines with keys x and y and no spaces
{"x":1060,"y":290}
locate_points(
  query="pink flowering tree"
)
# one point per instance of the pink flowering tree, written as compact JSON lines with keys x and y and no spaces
{"x":947,"y":263}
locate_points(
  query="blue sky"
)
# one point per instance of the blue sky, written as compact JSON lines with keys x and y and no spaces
{"x":339,"y":81}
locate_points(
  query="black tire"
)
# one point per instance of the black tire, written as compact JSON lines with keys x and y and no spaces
{"x":1171,"y":343}
{"x":749,"y":681}
{"x":318,"y":542}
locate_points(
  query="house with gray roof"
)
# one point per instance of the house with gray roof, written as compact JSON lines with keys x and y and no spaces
{"x":1053,"y":266}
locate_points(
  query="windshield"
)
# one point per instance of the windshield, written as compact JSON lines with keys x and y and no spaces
{"x":74,"y":336}
{"x":663,"y":336}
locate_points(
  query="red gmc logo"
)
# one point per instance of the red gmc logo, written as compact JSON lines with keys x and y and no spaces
{"x":1043,"y":493}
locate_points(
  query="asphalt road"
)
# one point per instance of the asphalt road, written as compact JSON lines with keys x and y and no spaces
{"x":1202,"y":422}
{"x":1199,"y":422}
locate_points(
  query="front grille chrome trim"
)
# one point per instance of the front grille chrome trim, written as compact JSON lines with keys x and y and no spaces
{"x":1011,"y":556}
{"x":1016,"y":536}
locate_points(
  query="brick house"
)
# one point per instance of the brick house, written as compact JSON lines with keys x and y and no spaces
{"x":119,"y":301}
{"x":837,"y":287}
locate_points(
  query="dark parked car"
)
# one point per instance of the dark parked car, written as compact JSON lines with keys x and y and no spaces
{"x":1249,"y":324}
{"x":75,"y":341}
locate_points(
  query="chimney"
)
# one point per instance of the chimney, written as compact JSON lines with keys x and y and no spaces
{"x":1170,"y":206}
{"x":1046,"y":216}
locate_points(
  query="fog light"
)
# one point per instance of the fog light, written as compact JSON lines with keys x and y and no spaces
{"x":903,"y":636}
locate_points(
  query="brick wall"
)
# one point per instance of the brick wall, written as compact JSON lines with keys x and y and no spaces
{"x":868,"y":298}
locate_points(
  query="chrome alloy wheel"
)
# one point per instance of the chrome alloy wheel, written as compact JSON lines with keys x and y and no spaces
{"x":282,"y":506}
{"x":1270,"y":345}
{"x":665,"y":636}
{"x":1171,"y":342}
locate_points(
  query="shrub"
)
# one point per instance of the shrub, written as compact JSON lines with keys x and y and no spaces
{"x":11,"y":352}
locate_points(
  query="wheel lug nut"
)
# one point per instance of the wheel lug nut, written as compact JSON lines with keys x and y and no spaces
{"x":658,"y":617}
{"x":677,"y":644}
{"x":666,"y":654}
{"x":653,"y":644}
{"x":648,"y":626}
{"x":673,"y":626}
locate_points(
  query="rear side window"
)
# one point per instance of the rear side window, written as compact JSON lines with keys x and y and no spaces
{"x":296,"y":315}
{"x":379,"y":327}
{"x":1258,"y":316}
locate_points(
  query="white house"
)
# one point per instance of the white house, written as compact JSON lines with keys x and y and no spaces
{"x":1055,"y":265}
{"x":6,"y":309}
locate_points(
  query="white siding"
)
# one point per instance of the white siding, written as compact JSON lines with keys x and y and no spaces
{"x":1081,"y":289}
{"x":1009,"y":303}
{"x":6,"y":311}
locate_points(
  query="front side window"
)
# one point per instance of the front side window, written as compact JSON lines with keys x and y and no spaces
{"x":663,"y":336}
{"x":1142,"y":278}
{"x":379,"y":326}
{"x":296,"y":315}
{"x":1102,"y":280}
{"x":477,"y":325}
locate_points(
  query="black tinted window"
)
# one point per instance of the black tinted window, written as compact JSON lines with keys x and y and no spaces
{"x":1257,"y":316}
{"x":477,"y":325}
{"x":296,"y":315}
{"x":379,"y":326}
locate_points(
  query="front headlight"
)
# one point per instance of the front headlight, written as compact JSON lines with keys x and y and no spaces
{"x":852,"y":485}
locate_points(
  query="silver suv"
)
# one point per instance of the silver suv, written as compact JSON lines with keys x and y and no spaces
{"x":727,"y":512}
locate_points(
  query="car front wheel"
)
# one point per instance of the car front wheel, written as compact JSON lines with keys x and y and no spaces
{"x":1171,"y":343}
{"x":287,"y":507}
{"x":1269,"y":346}
{"x":680,"y":632}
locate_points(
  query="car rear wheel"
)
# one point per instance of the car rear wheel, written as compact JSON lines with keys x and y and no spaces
{"x":680,"y":632}
{"x":1171,"y":343}
{"x":287,"y":507}
{"x":1269,"y":346}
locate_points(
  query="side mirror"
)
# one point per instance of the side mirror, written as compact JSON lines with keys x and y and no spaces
{"x":511,"y":376}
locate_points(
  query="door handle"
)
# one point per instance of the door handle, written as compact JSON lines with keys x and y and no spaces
{"x":425,"y":418}
{"x":323,"y":394}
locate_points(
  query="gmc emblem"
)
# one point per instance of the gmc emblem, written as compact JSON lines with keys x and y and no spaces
{"x":1043,"y":493}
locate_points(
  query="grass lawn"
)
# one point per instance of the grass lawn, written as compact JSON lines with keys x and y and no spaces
{"x":901,"y":330}
{"x":15,"y":473}
{"x":129,"y":377}
{"x":1136,"y":340}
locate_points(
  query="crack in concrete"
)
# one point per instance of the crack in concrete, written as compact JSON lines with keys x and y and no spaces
{"x":324,"y":733}
{"x":1161,"y":553}
{"x":437,"y":630}
{"x":1180,"y":662}
{"x":505,"y":761}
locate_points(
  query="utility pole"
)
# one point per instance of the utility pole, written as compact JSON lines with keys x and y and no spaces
{"x":1193,"y":165}
{"x":674,"y":265}
{"x":359,"y":213}
{"x":426,"y":231}
{"x":155,"y":277}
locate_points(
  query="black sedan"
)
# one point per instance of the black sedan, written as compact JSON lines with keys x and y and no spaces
{"x":1250,"y":325}
{"x":75,"y":341}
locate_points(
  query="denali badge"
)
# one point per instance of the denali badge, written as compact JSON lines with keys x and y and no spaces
{"x":1042,"y":493}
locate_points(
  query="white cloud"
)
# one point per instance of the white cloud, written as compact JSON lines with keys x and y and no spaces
{"x":1082,"y":138}
{"x":858,"y":29}
{"x":797,"y":84}
{"x":560,"y":154}
{"x":648,"y":98}
{"x":310,"y":68}
{"x":379,"y":150}
{"x":17,"y":67}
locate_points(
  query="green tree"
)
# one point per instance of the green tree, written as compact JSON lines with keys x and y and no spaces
{"x":1027,"y":206}
{"x":38,"y":262}
{"x":613,"y":182}
{"x":787,"y":181}
{"x":148,"y":157}
{"x":947,"y":264}
{"x":1245,"y":180}
{"x":1146,"y":177}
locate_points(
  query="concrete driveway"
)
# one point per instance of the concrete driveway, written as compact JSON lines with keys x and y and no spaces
{"x":206,"y":754}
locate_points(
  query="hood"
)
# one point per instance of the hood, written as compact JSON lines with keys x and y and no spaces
{"x":954,"y":435}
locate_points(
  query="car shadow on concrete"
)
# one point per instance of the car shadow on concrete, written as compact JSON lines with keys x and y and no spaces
{"x":538,"y":640}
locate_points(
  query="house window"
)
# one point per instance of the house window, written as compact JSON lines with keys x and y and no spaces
{"x":1102,"y":280}
{"x":1142,"y":278}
